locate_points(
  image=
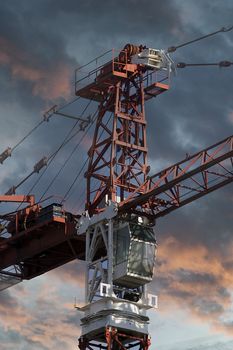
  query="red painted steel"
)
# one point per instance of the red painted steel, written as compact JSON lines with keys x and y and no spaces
{"x":114,"y":339}
{"x":18,"y":199}
{"x":184,"y":182}
{"x":38,"y":240}
{"x":118,"y":156}
{"x":42,"y":247}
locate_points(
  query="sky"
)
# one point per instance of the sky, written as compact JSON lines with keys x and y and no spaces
{"x":41,"y":44}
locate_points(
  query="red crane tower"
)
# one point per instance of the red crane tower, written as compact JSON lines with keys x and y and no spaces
{"x":115,"y":235}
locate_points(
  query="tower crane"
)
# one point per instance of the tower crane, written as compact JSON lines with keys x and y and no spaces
{"x":115,"y":234}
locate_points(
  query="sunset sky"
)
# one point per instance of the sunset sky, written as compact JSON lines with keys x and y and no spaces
{"x":41,"y":44}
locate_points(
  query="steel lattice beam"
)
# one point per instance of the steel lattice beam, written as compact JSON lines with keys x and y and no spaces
{"x":184,"y":182}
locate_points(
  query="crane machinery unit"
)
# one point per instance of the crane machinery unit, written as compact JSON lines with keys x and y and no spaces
{"x":115,"y":235}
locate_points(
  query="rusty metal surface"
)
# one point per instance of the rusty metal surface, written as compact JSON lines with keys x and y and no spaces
{"x":18,"y":199}
{"x":41,"y":248}
{"x":115,"y":338}
{"x":118,"y":155}
{"x":184,"y":182}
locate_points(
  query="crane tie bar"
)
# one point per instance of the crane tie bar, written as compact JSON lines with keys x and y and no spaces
{"x":222,"y":30}
{"x":219,"y":64}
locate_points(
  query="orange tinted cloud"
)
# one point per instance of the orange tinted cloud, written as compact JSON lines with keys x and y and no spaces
{"x":196,"y":279}
{"x":48,"y":83}
{"x":71,"y":273}
{"x":43,"y":320}
{"x":55,"y":84}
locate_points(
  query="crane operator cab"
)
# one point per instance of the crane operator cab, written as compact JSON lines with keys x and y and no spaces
{"x":134,"y":254}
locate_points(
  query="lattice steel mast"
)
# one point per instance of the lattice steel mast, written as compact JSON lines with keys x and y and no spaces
{"x":120,"y":248}
{"x":123,"y":201}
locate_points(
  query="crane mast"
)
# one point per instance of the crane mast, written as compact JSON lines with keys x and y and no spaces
{"x":120,"y":251}
{"x":118,"y":157}
{"x":118,"y":162}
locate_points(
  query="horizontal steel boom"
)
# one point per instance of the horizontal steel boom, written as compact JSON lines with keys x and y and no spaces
{"x":184,"y":182}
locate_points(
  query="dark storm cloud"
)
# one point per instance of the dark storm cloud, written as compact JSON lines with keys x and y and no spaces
{"x":229,"y":265}
{"x":207,"y":221}
{"x":32,"y":55}
{"x":208,"y":307}
{"x":123,"y":18}
{"x":194,"y":113}
{"x":7,"y":300}
{"x":187,"y":276}
{"x":10,"y":340}
{"x":183,"y":284}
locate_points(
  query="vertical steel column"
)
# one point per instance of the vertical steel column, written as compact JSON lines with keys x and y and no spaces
{"x":110,"y":252}
{"x":87,"y":260}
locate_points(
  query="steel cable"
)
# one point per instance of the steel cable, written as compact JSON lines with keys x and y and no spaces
{"x":52,"y":156}
{"x":79,"y":173}
{"x":67,"y":160}
{"x":41,"y":122}
{"x":27,"y":135}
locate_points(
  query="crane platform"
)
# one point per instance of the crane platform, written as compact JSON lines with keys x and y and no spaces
{"x":48,"y":242}
{"x":96,"y":83}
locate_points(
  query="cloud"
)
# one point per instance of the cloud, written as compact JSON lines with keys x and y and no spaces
{"x":195,"y":279}
{"x":42,"y":322}
{"x":34,"y":64}
{"x":50,"y":82}
{"x":11,"y":310}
